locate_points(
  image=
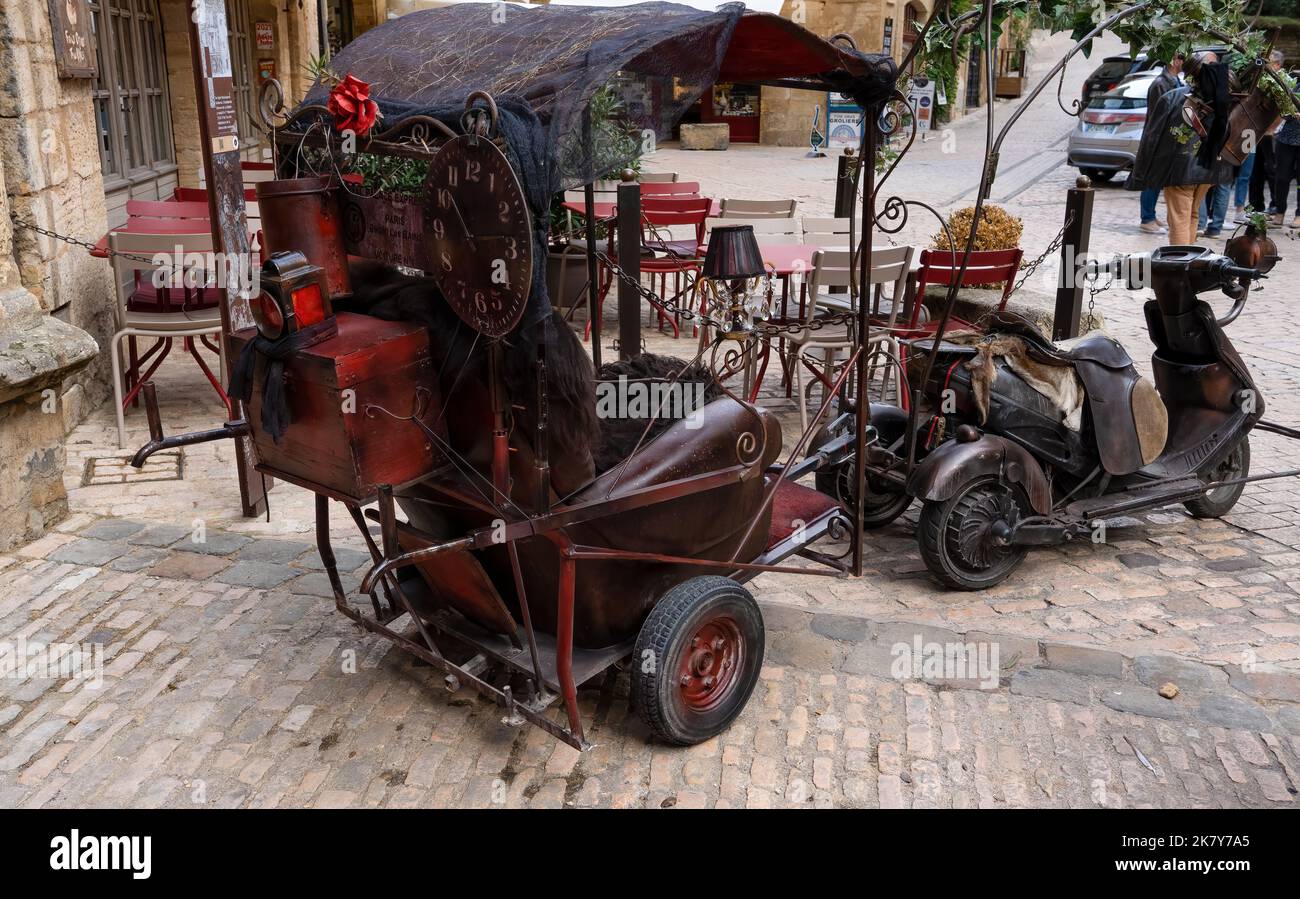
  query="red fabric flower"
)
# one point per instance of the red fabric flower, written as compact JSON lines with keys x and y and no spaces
{"x":351,"y":106}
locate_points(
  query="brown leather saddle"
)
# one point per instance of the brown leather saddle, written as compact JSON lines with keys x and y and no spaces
{"x":1129,"y":419}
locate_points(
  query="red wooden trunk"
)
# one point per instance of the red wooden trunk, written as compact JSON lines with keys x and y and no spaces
{"x":339,"y":443}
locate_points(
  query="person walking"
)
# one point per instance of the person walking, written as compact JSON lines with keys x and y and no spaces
{"x":1183,"y":164}
{"x":1169,"y":78}
{"x":1286,"y":163}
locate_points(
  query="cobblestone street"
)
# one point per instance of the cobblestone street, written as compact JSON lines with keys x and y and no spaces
{"x":229,"y":679}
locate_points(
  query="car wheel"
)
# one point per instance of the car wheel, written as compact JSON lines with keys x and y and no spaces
{"x":1098,"y":174}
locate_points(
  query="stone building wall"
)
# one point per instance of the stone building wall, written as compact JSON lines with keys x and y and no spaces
{"x":54,"y":298}
{"x":787,"y":113}
{"x":57,"y":301}
{"x":52,"y":178}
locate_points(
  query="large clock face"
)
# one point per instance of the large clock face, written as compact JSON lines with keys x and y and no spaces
{"x":479,"y":234}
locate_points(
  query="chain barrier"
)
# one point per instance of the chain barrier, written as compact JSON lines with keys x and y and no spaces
{"x":78,"y":242}
{"x":1055,"y":244}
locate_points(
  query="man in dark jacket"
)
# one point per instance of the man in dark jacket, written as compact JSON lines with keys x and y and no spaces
{"x":1169,"y":78}
{"x":1169,"y":157}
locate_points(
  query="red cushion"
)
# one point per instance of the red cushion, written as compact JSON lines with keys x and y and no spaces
{"x":795,"y":502}
{"x":147,"y":298}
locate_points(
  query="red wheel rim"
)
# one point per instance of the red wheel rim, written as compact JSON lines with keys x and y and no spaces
{"x":710,"y":664}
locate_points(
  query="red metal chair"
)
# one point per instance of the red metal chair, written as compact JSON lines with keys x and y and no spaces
{"x":200,"y":194}
{"x":983,"y":267}
{"x":669,"y":256}
{"x":167,"y":209}
{"x":670,"y":188}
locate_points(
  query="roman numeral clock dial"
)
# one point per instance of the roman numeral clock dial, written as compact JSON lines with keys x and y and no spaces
{"x":479,"y":234}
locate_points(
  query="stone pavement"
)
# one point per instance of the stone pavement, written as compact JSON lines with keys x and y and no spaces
{"x":229,"y":680}
{"x":225,"y":683}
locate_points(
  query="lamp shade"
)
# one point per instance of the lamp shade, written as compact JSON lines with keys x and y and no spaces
{"x":733,"y":254}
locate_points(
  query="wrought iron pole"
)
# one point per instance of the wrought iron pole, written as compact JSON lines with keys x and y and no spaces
{"x":593,"y":289}
{"x":589,"y":205}
{"x":867,"y":170}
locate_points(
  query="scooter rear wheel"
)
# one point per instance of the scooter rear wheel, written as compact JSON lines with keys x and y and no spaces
{"x":956,"y":535}
{"x":1218,"y":503}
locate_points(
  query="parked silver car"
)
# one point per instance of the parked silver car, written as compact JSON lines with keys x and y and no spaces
{"x":1105,"y":141}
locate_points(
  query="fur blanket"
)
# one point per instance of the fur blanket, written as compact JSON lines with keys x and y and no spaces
{"x":1056,"y":381}
{"x":619,"y":433}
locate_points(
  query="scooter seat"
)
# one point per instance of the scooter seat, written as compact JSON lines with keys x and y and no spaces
{"x":1091,"y":347}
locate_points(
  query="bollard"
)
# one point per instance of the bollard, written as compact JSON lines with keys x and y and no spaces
{"x":1074,"y":249}
{"x":629,"y":260}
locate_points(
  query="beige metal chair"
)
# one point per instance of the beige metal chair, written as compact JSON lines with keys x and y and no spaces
{"x":828,"y":233}
{"x":770,"y":230}
{"x":657,"y":177}
{"x":838,"y":268}
{"x":184,"y":323}
{"x":758,"y":209}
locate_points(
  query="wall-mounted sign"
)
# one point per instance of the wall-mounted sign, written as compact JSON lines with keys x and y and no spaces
{"x":74,"y":39}
{"x":265,"y":70}
{"x":887,"y":46}
{"x":265,"y":35}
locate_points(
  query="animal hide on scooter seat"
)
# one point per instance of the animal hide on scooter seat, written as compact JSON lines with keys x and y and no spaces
{"x":1055,"y":380}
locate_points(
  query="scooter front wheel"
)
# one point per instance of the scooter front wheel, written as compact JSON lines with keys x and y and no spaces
{"x":958,"y":536}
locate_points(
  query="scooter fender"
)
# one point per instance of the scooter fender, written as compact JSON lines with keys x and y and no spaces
{"x":955,"y":463}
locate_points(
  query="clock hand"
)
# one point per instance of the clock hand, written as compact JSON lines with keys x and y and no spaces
{"x":460,"y":218}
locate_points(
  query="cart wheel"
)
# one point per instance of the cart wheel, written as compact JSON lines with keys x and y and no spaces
{"x":697,"y":659}
{"x":1218,"y":503}
{"x":957,"y":539}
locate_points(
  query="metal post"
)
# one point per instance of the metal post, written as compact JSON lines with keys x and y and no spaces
{"x":629,"y":260}
{"x":219,"y":141}
{"x":593,"y":288}
{"x":844,"y":184}
{"x":845,"y":195}
{"x":1074,"y":249}
{"x":867,"y":171}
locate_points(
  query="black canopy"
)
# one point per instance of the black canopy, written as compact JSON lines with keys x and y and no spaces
{"x":657,"y":57}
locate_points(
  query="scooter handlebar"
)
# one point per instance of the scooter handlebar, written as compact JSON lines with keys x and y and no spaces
{"x":1237,"y":271}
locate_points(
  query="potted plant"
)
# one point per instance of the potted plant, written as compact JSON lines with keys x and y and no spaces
{"x":1252,"y":248}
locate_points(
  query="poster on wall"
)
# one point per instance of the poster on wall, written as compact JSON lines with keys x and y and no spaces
{"x":74,"y":38}
{"x":843,"y":122}
{"x":265,"y":35}
{"x":920,"y":96}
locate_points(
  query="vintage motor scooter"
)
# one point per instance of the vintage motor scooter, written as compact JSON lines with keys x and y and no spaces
{"x":1018,"y":475}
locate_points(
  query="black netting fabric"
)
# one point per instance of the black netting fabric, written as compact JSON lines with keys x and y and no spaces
{"x":656,"y":57}
{"x":544,"y":64}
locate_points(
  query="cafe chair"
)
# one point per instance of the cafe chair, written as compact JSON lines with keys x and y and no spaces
{"x":657,"y":177}
{"x":670,"y":188}
{"x":941,"y":267}
{"x":828,"y":233}
{"x":887,"y":283}
{"x":758,"y":209}
{"x":768,"y":230}
{"x":183,"y":317}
